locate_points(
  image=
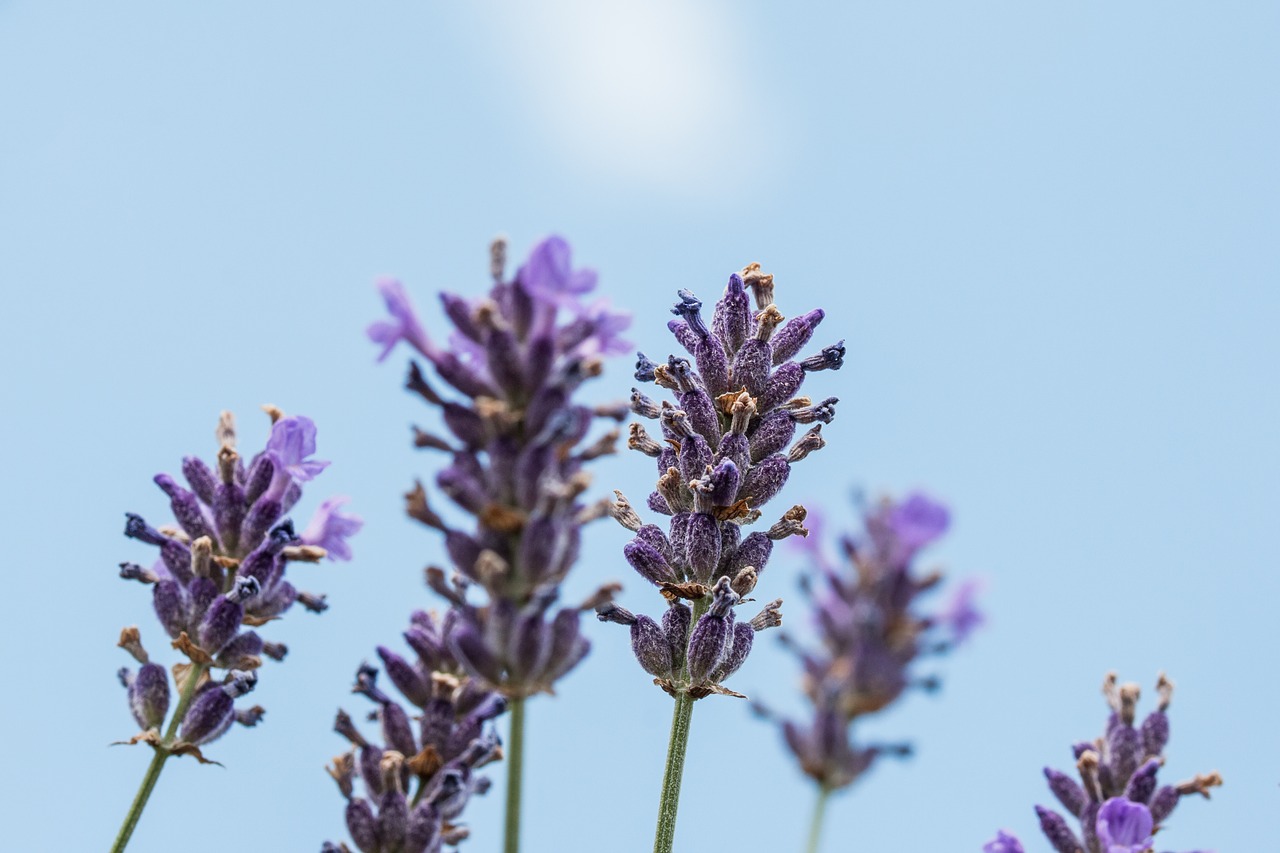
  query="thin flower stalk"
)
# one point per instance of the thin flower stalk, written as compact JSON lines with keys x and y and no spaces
{"x":1117,"y":801}
{"x":220,"y":575}
{"x":725,"y":448}
{"x":873,"y":629}
{"x":516,"y":437}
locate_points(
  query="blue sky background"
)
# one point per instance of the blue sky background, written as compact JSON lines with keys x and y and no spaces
{"x":1047,"y":232}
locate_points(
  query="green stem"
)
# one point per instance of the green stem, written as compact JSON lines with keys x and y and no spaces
{"x":664,"y":838}
{"x":157,"y":761}
{"x":515,"y":770}
{"x":815,"y":826}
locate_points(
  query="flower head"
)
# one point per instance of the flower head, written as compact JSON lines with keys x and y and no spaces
{"x":222,"y":566}
{"x":873,"y":632}
{"x":517,"y":446}
{"x":728,"y":441}
{"x":1118,"y":801}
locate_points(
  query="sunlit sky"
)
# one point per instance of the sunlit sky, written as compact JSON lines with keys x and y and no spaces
{"x":1046,"y":233}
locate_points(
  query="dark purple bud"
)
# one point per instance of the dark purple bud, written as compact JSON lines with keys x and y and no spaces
{"x":212,"y":712}
{"x":710,"y":636}
{"x":200,"y":478}
{"x":751,"y":367}
{"x":463,"y":551}
{"x":229,"y":510}
{"x":742,"y":638}
{"x":652,"y":535}
{"x":765,"y":479}
{"x":568,"y":646}
{"x":369,"y":763}
{"x":530,"y":643}
{"x":423,"y":834}
{"x":222,"y":619}
{"x":687,"y":337}
{"x":695,"y":457}
{"x":406,"y":679}
{"x":701,"y":410}
{"x":781,"y":387}
{"x":506,"y":362}
{"x":135,"y":527}
{"x":703,"y":546}
{"x":427,"y":645}
{"x":186,"y":508}
{"x":459,"y":312}
{"x":262,"y":472}
{"x":735,"y":447}
{"x":1067,"y":790}
{"x":469,"y":648}
{"x":831,"y":358}
{"x":649,"y":562}
{"x":1125,"y":751}
{"x":149,"y":696}
{"x":1163,"y":802}
{"x":1142,"y":784}
{"x":675,"y":626}
{"x":792,"y":337}
{"x":754,"y":552}
{"x":650,"y":646}
{"x":465,"y":424}
{"x":723,"y":485}
{"x":713,"y":366}
{"x":732,"y":318}
{"x":774,"y":432}
{"x":246,"y":645}
{"x":362,"y":825}
{"x":393,"y":820}
{"x":1155,"y":733}
{"x":366,"y":684}
{"x":463,"y":489}
{"x":1056,"y":830}
{"x":345,"y":726}
{"x":170,"y":606}
{"x":396,"y":729}
{"x":644,"y":373}
{"x":259,"y":519}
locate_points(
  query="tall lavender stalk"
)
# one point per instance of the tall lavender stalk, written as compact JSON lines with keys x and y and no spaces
{"x":515,"y":362}
{"x":872,"y":630}
{"x":221,"y":568}
{"x":1118,"y":802}
{"x":723,"y":455}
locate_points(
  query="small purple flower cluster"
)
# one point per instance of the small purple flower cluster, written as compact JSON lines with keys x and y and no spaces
{"x":723,"y":455}
{"x":222,"y":567}
{"x":516,"y":458}
{"x":452,"y":741}
{"x":1118,"y":801}
{"x":871,"y":631}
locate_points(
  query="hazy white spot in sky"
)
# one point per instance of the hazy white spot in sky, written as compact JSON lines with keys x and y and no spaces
{"x":659,"y":92}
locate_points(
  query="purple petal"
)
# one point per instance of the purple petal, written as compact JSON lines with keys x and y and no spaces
{"x":292,"y":440}
{"x":330,"y":528}
{"x":404,"y":324}
{"x":1124,"y":826}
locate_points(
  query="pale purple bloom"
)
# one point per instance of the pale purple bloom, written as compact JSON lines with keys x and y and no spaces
{"x":292,"y":440}
{"x":1124,"y":827}
{"x":403,"y":325}
{"x":549,"y":274}
{"x":607,"y":326}
{"x":330,"y":528}
{"x":961,"y":615}
{"x":916,"y":522}
{"x":1003,"y":843}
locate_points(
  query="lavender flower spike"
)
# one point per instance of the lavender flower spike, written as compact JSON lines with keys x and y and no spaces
{"x":1118,"y":802}
{"x":417,"y":780}
{"x":873,"y":630}
{"x":221,"y":574}
{"x":726,"y":451}
{"x":517,"y":446}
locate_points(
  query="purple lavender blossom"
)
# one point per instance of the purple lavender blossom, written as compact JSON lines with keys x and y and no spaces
{"x":1117,"y":801}
{"x":872,"y":632}
{"x":417,"y":779}
{"x":330,"y":529}
{"x":222,"y":569}
{"x":1003,"y":843}
{"x":722,"y":455}
{"x":515,"y":442}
